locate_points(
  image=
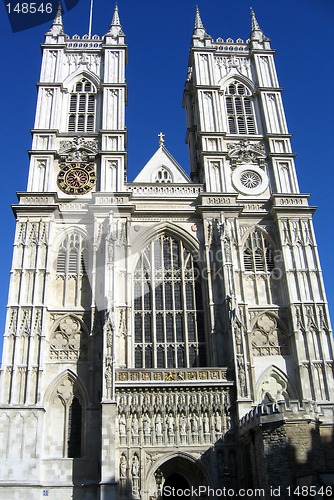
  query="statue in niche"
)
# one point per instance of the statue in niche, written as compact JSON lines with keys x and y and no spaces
{"x":194,"y":423}
{"x":122,"y":425}
{"x":158,"y":424}
{"x":135,"y":466}
{"x":135,"y":425}
{"x":218,"y":423}
{"x":170,"y":424}
{"x":183,"y":425}
{"x":206,"y":424}
{"x":146,"y":425}
{"x":123,"y":466}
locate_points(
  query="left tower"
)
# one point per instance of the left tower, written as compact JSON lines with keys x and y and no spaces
{"x":50,"y":431}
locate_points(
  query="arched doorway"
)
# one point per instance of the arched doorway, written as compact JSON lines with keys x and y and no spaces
{"x":175,"y":486}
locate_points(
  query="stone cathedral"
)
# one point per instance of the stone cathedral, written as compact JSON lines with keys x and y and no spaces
{"x":171,"y":330}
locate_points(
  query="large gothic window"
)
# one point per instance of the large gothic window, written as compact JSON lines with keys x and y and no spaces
{"x":169,"y":317}
{"x":239,"y":108}
{"x":82,"y":107}
{"x":258,"y":254}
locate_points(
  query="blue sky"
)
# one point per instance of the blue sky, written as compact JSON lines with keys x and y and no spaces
{"x":158,"y":36}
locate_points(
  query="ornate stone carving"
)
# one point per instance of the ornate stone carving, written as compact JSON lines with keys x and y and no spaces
{"x":78,"y":150}
{"x":267,"y":338}
{"x":246,"y":152}
{"x":68,"y":341}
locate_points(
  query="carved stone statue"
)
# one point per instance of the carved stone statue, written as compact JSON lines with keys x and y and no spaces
{"x":123,"y":466}
{"x":146,"y":425}
{"x":158,"y":424}
{"x":206,"y":424}
{"x":122,"y":425}
{"x":135,"y":466}
{"x":135,"y":425}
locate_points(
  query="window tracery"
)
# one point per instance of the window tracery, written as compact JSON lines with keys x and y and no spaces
{"x":239,"y":108}
{"x":169,"y":316}
{"x":82,"y":107}
{"x":163,"y":176}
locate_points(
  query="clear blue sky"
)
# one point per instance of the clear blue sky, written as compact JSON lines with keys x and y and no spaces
{"x":158,"y":36}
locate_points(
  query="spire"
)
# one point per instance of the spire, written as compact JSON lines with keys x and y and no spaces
{"x":199,"y":29}
{"x":115,"y":27}
{"x":57,"y":27}
{"x":255,"y":24}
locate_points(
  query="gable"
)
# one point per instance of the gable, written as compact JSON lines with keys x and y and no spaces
{"x":162,"y":168}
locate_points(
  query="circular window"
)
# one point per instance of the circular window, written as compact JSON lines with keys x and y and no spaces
{"x":250,"y":179}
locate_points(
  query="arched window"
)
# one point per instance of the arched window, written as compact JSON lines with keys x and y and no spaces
{"x":258,"y":254}
{"x":163,"y":176}
{"x":169,"y":317}
{"x":239,"y":108}
{"x":82,"y":107}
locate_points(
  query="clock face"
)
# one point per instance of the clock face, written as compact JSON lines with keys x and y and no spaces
{"x":76,"y":178}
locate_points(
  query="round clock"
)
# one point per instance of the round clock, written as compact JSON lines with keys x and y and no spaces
{"x":76,"y":178}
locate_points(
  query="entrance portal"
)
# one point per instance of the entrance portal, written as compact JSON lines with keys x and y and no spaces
{"x":174,"y":487}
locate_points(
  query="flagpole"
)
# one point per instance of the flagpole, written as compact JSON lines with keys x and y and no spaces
{"x":90,"y":19}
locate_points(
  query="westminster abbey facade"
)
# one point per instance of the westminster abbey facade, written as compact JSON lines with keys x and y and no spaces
{"x":172,"y":330}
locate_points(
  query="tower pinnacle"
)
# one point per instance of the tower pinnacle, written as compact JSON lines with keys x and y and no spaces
{"x":199,"y":29}
{"x":257,"y":34}
{"x":57,"y":27}
{"x":115,"y":28}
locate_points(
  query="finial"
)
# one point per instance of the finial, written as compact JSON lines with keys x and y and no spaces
{"x":57,"y":25}
{"x":161,"y":139}
{"x":199,"y":29}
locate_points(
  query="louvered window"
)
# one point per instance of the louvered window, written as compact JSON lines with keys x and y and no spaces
{"x":258,"y":254}
{"x":72,"y":257}
{"x":169,"y":316}
{"x":239,"y":109}
{"x":82,"y":110}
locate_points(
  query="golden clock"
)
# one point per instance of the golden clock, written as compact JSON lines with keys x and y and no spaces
{"x":76,"y":178}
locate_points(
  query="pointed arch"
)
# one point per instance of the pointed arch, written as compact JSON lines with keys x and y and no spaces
{"x":65,"y":401}
{"x":74,"y":77}
{"x":76,"y":382}
{"x":165,"y":227}
{"x":274,"y":385}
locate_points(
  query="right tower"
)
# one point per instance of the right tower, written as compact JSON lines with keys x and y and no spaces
{"x":240,"y":150}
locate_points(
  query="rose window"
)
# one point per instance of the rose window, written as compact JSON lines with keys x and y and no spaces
{"x":250,"y":179}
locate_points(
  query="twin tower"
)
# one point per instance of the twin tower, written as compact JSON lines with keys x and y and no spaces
{"x":170,"y":331}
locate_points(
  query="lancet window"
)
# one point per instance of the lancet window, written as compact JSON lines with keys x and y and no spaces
{"x":258,"y":254}
{"x":82,"y":107}
{"x":169,"y":316}
{"x":239,"y":108}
